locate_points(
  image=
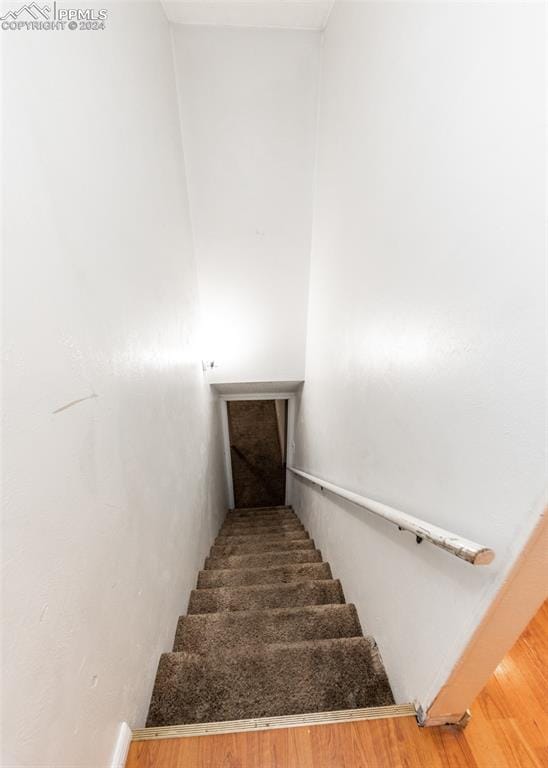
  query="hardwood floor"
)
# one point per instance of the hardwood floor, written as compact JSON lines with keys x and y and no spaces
{"x":509,"y":729}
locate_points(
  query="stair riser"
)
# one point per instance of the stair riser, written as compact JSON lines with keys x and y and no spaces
{"x":238,"y":530}
{"x":289,"y":525}
{"x":248,"y":577}
{"x":206,"y":633}
{"x":285,"y":678}
{"x":259,"y":510}
{"x":268,"y":596}
{"x":266,"y":520}
{"x":261,"y":513}
{"x":287,"y":536}
{"x":258,"y":547}
{"x":262,"y":560}
{"x":256,"y":512}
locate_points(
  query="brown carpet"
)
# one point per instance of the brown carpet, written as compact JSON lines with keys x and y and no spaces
{"x":261,"y":546}
{"x":258,"y":530}
{"x":263,"y":559}
{"x":266,"y":538}
{"x":267,"y":632}
{"x":265,"y":596}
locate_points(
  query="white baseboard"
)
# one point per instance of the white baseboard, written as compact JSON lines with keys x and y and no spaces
{"x":121,"y":749}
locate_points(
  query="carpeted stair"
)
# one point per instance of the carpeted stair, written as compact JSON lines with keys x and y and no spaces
{"x":267,"y":632}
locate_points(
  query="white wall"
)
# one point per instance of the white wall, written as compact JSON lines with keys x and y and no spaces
{"x":425,"y":354}
{"x":249,"y":100}
{"x":110,"y":504}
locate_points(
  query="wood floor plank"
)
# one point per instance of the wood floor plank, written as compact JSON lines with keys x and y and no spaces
{"x":299,"y":747}
{"x":417,"y":745}
{"x":325,"y":749}
{"x":481,"y":738}
{"x":509,"y":729}
{"x":454,"y":748}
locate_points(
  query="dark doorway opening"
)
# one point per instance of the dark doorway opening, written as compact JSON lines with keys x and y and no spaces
{"x":258,"y":436}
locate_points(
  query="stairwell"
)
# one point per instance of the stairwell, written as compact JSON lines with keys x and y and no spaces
{"x":268,"y":632}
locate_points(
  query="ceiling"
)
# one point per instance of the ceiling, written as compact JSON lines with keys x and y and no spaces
{"x":285,"y":14}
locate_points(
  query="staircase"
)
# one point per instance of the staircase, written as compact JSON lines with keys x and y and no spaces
{"x":267,"y":632}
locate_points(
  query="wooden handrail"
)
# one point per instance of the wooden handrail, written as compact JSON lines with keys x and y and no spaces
{"x":473,"y":553}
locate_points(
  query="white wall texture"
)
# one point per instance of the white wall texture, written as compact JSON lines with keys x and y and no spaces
{"x":248,"y":105}
{"x":110,"y":504}
{"x":425,"y":384}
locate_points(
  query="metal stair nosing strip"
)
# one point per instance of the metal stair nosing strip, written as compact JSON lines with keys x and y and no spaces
{"x":271,"y":723}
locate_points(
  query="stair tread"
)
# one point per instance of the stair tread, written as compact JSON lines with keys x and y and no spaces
{"x":207,"y":632}
{"x":252,"y":510}
{"x":263,"y":522}
{"x":282,"y":522}
{"x":270,"y":680}
{"x":263,"y":559}
{"x":261,"y":515}
{"x":261,"y":546}
{"x":241,"y":598}
{"x":278,"y":574}
{"x":280,"y":514}
{"x":276,"y":536}
{"x":244,"y":530}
